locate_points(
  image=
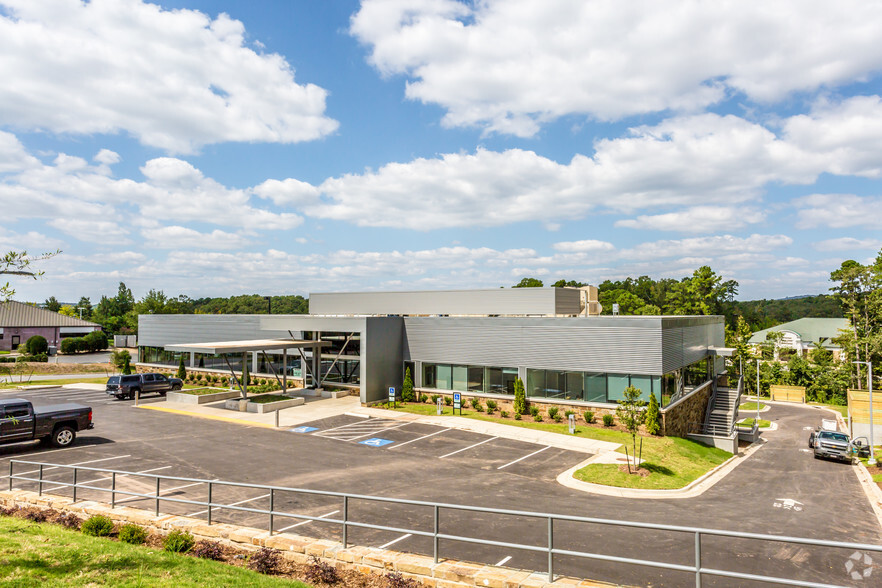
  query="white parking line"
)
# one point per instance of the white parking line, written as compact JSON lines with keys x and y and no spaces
{"x":394,"y":541}
{"x":503,"y":561}
{"x":523,"y":458}
{"x":234,"y":504}
{"x":163,"y":491}
{"x":469,"y":447}
{"x":29,"y":455}
{"x":307,"y":522}
{"x":419,"y":438}
{"x":111,"y":477}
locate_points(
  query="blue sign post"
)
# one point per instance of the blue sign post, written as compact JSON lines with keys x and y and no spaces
{"x":392,"y":395}
{"x":457,"y":401}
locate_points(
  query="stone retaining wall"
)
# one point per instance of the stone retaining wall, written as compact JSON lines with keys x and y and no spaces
{"x":367,"y":560}
{"x":679,"y":419}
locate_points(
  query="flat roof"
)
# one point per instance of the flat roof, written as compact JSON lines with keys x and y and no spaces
{"x":244,"y":346}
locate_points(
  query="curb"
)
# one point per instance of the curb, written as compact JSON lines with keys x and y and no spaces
{"x":210,"y":417}
{"x":694,"y":488}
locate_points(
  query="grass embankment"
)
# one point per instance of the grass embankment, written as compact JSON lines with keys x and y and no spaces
{"x":840,"y":408}
{"x":750,"y":406}
{"x":34,"y":382}
{"x":763,"y":424}
{"x":669,"y":462}
{"x":43,"y":554}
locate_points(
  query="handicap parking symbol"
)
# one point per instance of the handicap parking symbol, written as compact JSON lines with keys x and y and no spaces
{"x":376,"y":442}
{"x":303,"y":429}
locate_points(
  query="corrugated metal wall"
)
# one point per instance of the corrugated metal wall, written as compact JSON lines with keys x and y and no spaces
{"x":159,"y":330}
{"x":653,"y":345}
{"x":503,"y":301}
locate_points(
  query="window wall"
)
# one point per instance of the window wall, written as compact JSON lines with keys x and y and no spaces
{"x":470,"y":378}
{"x":160,"y":356}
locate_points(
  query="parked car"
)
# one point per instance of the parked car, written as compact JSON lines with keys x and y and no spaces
{"x":123,"y":387}
{"x":832,"y":444}
{"x":57,"y":424}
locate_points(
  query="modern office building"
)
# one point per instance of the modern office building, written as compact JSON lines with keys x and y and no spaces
{"x":473,"y":341}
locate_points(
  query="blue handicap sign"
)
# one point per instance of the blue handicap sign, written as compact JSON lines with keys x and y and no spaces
{"x":457,"y":396}
{"x":303,"y":429}
{"x":376,"y":442}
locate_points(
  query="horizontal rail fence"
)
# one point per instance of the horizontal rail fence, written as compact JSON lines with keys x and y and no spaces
{"x":434,"y":508}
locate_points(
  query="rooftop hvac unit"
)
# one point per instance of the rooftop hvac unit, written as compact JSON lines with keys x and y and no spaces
{"x":588,"y":303}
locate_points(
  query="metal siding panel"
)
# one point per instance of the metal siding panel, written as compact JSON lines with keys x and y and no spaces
{"x":381,"y":357}
{"x":159,"y":330}
{"x":582,"y":344}
{"x":502,"y":301}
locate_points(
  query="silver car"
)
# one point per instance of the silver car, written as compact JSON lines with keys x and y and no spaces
{"x":831,"y":444}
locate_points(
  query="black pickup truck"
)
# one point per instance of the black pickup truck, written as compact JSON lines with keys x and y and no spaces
{"x":57,"y":424}
{"x":127,"y":386}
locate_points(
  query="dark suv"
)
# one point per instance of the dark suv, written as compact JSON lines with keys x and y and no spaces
{"x":123,"y":387}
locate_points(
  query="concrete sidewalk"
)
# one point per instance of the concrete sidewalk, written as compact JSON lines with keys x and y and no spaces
{"x":313,"y":410}
{"x":498,"y":430}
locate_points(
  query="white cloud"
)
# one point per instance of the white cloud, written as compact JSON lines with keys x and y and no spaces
{"x":847,"y":244}
{"x":510,"y":65}
{"x":178,"y":237}
{"x":697,"y":219}
{"x":838,"y":211}
{"x":584,"y":246}
{"x":175,"y":79}
{"x":706,"y":246}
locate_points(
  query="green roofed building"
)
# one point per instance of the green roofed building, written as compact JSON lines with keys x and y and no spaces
{"x":803,"y":334}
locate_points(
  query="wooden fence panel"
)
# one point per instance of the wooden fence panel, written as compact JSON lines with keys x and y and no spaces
{"x":790,"y":393}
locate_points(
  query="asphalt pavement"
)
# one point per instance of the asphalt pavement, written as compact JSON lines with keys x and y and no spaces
{"x":780,"y":490}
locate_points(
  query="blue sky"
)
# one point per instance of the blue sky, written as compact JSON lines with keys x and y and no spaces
{"x":282,"y":147}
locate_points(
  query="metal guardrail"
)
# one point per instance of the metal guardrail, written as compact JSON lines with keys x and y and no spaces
{"x":346,"y":522}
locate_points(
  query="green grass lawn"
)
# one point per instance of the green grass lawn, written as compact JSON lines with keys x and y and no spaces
{"x":267,"y":398}
{"x":841,"y":409}
{"x":763,"y":424}
{"x":36,"y":382}
{"x":750,"y":406}
{"x":43,"y":554}
{"x":673,"y":462}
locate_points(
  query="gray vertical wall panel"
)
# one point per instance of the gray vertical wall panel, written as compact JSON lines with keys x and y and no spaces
{"x":159,"y":330}
{"x":382,"y":357}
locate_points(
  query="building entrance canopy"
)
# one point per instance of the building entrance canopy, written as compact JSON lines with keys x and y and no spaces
{"x":227,"y":348}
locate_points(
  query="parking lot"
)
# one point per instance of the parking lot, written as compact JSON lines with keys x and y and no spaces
{"x":422,"y":462}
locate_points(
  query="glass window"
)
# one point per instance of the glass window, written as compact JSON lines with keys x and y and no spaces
{"x":460,"y":378}
{"x":493,"y":380}
{"x":555,"y":383}
{"x":616,"y":384}
{"x":595,"y":387}
{"x":644,"y":384}
{"x":429,"y":372}
{"x":574,"y":386}
{"x":476,"y":378}
{"x":536,"y":383}
{"x":443,"y":377}
{"x":509,"y":375}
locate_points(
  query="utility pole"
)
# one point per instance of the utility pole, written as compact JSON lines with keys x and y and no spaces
{"x":869,"y":364}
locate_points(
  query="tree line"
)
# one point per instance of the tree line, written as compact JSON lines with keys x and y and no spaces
{"x":119,"y":314}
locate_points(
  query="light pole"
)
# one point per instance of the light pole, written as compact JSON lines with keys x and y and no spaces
{"x":757,"y":391}
{"x":869,"y":364}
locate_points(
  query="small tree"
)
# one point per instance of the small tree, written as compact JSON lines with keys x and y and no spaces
{"x":182,"y":371}
{"x":127,"y":365}
{"x":407,"y":388}
{"x":653,"y":416}
{"x":245,"y":376}
{"x":520,"y":397}
{"x":631,"y":414}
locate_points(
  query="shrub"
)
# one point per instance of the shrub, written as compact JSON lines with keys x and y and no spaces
{"x":127,"y":365}
{"x":69,"y":345}
{"x":36,"y":344}
{"x":182,"y":370}
{"x":424,"y":398}
{"x":448,"y":400}
{"x":397,"y":580}
{"x":520,"y":397}
{"x":68,"y":520}
{"x":265,"y":561}
{"x":534,"y":411}
{"x":318,"y":571}
{"x":36,"y":515}
{"x":208,"y":550}
{"x":407,"y":393}
{"x":652,"y":416}
{"x":435,"y":398}
{"x":476,"y":404}
{"x":133,"y":534}
{"x":557,"y":417}
{"x":178,"y":542}
{"x":608,"y":420}
{"x":491,"y":406}
{"x":118,"y":357}
{"x":537,"y":417}
{"x":95,"y":341}
{"x":588,"y":416}
{"x":517,"y":416}
{"x":503,"y":414}
{"x":567,"y":413}
{"x":97,"y":526}
{"x":553,"y":412}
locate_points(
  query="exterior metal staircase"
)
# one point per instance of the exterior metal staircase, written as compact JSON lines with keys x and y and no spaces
{"x":722,"y":410}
